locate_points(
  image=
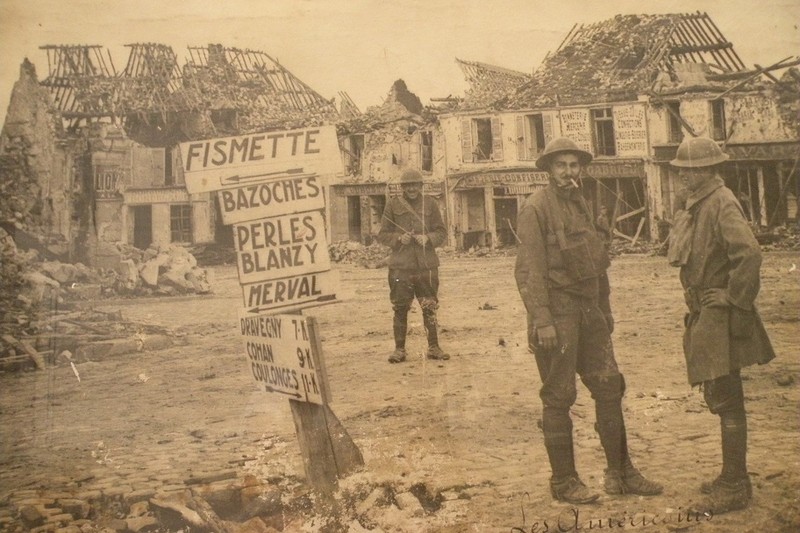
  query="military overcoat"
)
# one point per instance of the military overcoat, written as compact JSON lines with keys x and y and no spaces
{"x":725,"y":255}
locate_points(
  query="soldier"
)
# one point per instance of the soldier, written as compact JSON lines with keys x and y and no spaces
{"x":412,"y":227}
{"x":561,"y":276}
{"x":719,"y":262}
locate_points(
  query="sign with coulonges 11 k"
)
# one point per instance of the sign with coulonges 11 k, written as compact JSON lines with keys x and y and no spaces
{"x":281,"y":355}
{"x":279,"y":247}
{"x":272,"y":198}
{"x":232,"y":162}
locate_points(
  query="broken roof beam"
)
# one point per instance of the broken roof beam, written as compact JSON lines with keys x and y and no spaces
{"x":703,"y":20}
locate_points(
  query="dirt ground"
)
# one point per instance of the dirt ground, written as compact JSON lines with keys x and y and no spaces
{"x":460,"y":435}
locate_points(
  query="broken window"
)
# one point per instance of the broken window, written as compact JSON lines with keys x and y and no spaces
{"x":603,"y":123}
{"x":426,"y":151}
{"x":353,"y":148}
{"x":531,"y":136}
{"x":481,"y":140}
{"x":718,"y":132}
{"x":180,"y":223}
{"x":674,"y":127}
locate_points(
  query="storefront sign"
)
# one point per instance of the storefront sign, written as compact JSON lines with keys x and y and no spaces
{"x":428,"y":187}
{"x":615,"y":170}
{"x":279,"y":247}
{"x":281,"y":355}
{"x":171,"y":195}
{"x":503,"y":178}
{"x":272,"y":198}
{"x":575,"y":126}
{"x":107,"y":182}
{"x":232,"y":162}
{"x":767,"y":152}
{"x":630,"y":130}
{"x":360,"y":189}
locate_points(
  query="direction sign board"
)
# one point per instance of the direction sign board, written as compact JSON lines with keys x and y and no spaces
{"x":279,"y":247}
{"x":283,"y":357}
{"x":232,"y":162}
{"x":276,"y":197}
{"x":292,"y":293}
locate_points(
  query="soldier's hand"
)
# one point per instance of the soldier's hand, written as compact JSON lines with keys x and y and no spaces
{"x":405,"y":238}
{"x":609,"y":322}
{"x":714,"y":298}
{"x":422,"y":240}
{"x":548,"y":339}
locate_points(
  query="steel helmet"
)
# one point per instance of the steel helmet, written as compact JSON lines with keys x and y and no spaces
{"x":696,"y":152}
{"x":559,"y":145}
{"x":410,"y":175}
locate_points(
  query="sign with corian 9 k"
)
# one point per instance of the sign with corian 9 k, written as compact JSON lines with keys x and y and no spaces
{"x":232,"y":162}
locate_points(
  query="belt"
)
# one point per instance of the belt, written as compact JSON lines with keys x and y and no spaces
{"x":692,"y":297}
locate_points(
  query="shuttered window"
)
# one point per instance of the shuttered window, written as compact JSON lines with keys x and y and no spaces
{"x":481,"y":139}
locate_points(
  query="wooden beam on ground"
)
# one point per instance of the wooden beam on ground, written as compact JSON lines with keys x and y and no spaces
{"x":631,"y":214}
{"x":26,"y":347}
{"x":620,"y":234}
{"x":638,"y":231}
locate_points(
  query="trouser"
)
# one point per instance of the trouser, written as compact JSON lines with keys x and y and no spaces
{"x":404,"y":286}
{"x":584,"y":347}
{"x":724,"y":397}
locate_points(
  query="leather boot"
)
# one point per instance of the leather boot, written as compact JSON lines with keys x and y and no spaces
{"x":565,"y":485}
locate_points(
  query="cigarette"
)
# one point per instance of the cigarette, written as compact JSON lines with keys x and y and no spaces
{"x":574,"y":183}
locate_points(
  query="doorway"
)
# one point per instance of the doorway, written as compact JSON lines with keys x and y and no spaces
{"x":142,"y":226}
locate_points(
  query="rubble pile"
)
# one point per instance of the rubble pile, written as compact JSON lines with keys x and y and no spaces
{"x":166,"y":270}
{"x":780,"y":238}
{"x":238,"y":505}
{"x":373,"y":256}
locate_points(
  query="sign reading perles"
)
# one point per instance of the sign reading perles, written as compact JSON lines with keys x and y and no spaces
{"x":232,"y":162}
{"x":279,"y":247}
{"x":282,"y":355}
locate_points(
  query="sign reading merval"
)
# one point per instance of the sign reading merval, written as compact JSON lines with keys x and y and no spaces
{"x":232,"y":162}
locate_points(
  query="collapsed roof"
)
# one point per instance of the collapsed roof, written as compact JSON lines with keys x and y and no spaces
{"x":619,"y":58}
{"x":488,"y":83}
{"x":262,"y":93}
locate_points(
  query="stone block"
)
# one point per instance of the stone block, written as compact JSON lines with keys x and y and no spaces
{"x":32,"y":516}
{"x":149,"y":272}
{"x":77,"y":508}
{"x":142,"y":524}
{"x":376,"y":498}
{"x":409,"y":503}
{"x":156,"y":342}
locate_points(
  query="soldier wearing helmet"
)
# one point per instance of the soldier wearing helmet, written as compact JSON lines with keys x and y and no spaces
{"x":412,"y":227}
{"x":561,"y":275}
{"x":719,"y":260}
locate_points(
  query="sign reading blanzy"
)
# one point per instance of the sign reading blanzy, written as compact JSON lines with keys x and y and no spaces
{"x":281,"y":355}
{"x":232,"y":162}
{"x":279,"y":247}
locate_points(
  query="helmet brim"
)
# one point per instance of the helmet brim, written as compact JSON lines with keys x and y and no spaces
{"x":543,"y":163}
{"x":699,"y":163}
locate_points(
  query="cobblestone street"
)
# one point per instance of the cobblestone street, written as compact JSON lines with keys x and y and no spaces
{"x":140,"y":425}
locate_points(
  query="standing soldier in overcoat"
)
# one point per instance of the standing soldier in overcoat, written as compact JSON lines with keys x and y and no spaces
{"x":719,"y":260}
{"x":412,"y":227}
{"x":561,"y":276}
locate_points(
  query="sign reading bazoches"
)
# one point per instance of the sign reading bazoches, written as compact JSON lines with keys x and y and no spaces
{"x":232,"y":162}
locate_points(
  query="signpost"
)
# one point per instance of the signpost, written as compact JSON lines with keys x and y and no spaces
{"x":269,"y":189}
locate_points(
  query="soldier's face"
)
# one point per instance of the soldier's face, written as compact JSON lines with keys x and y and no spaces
{"x":565,"y":169}
{"x":411,"y":190}
{"x":694,"y":178}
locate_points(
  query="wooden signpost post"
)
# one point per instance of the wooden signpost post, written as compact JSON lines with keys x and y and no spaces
{"x":269,"y":189}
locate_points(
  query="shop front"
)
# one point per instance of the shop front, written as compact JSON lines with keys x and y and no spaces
{"x":619,"y":186}
{"x":485,"y":205}
{"x":763,"y":176}
{"x":356,"y":209}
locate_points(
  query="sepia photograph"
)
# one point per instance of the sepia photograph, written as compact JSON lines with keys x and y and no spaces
{"x":318,"y":266}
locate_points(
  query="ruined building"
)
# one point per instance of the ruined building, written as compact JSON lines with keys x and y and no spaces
{"x":376,"y":145}
{"x":100,"y":147}
{"x":626,"y":89}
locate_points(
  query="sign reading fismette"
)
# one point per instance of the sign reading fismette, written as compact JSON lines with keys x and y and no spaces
{"x":233,"y":162}
{"x":279,"y":247}
{"x":281,"y":355}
